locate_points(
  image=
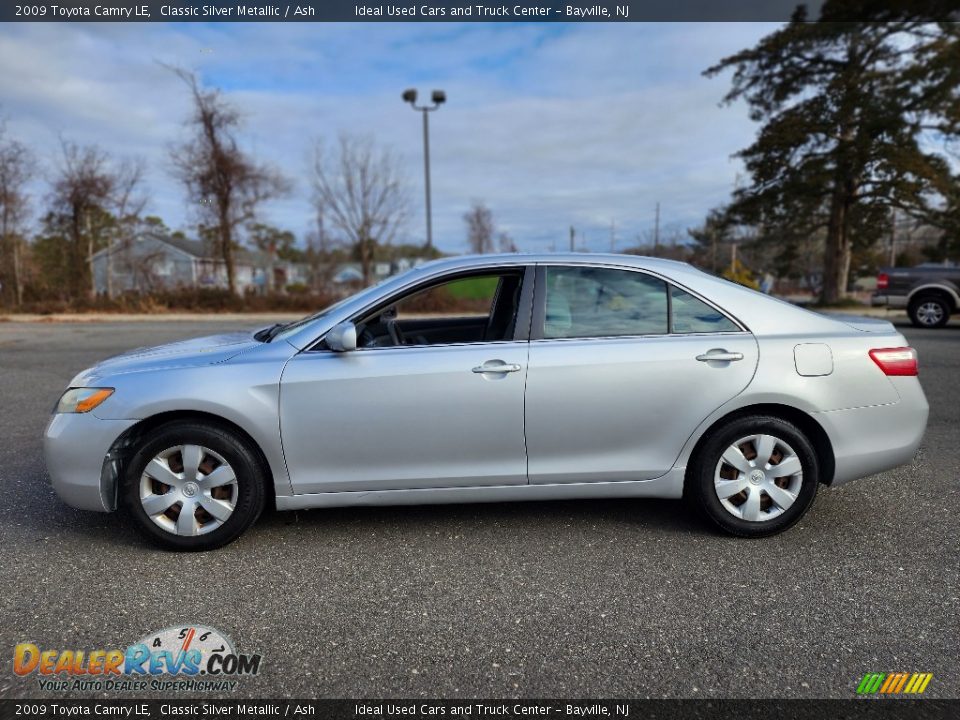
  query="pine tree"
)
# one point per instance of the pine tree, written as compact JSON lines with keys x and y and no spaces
{"x":850,"y":112}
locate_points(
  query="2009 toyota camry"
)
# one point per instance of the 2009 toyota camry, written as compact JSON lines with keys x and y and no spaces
{"x":496,"y":378}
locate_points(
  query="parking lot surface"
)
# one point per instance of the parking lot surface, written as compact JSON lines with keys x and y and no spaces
{"x":568,"y":599}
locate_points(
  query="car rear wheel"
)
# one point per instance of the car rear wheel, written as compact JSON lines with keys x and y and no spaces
{"x":754,"y":477}
{"x":929,"y":311}
{"x":193,"y":486}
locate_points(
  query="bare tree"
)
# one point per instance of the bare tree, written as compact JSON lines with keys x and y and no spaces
{"x":360,"y":190}
{"x":480,"y":228}
{"x":82,"y":192}
{"x":506,"y":243}
{"x":224,"y":183}
{"x":129,"y":203}
{"x":16,"y":169}
{"x":320,"y":253}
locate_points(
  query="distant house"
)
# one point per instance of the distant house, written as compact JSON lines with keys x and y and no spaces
{"x":349,"y":273}
{"x":158,"y":261}
{"x":353,"y":272}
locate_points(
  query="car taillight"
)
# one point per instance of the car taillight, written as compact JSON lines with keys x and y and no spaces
{"x":883,"y":281}
{"x":895,"y":361}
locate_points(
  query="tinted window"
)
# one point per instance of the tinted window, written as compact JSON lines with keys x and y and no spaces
{"x":602,"y":302}
{"x":691,"y":315}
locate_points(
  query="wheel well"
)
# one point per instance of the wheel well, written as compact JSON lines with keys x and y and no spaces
{"x":810,"y":427}
{"x":123,"y":446}
{"x":935,"y":292}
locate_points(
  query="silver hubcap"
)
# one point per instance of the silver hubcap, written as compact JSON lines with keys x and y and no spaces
{"x":929,"y":313}
{"x":188,"y":490}
{"x":758,"y":477}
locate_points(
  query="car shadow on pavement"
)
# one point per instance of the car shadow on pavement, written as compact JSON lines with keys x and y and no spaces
{"x":509,"y":521}
{"x":664,"y":516}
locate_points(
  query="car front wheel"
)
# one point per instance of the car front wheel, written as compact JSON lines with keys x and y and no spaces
{"x":755,"y":476}
{"x":929,"y":311}
{"x":193,"y":486}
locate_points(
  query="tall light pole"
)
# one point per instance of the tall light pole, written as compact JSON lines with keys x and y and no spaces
{"x":438,"y":98}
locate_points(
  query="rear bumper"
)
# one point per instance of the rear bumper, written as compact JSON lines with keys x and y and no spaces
{"x":889,"y":301}
{"x":75,"y":448}
{"x":869,"y":440}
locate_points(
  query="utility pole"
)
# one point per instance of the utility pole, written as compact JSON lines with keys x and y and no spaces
{"x":110,"y":267}
{"x":713,"y":251}
{"x":573,"y":234}
{"x":733,"y":258}
{"x":893,"y":237}
{"x":656,"y":231}
{"x":93,"y":275}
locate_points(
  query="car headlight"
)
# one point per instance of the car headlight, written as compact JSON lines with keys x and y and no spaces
{"x":81,"y":400}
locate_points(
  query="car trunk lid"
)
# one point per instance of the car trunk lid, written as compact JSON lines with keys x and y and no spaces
{"x":865,"y":324}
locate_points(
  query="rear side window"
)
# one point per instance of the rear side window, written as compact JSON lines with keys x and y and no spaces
{"x":603,"y":302}
{"x":691,"y":315}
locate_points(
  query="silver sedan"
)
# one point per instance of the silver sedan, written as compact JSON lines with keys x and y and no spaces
{"x":496,"y":378}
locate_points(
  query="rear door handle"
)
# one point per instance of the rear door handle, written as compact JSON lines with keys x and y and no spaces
{"x":496,"y":366}
{"x":719,"y":355}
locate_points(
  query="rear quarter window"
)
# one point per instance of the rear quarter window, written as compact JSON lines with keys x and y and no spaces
{"x":691,"y":315}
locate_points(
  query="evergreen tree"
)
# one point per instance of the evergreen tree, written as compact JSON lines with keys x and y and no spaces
{"x":850,"y":113}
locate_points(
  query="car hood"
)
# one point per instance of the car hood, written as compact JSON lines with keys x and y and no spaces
{"x":184,"y":353}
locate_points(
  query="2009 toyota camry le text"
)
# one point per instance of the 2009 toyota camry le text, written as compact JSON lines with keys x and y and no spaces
{"x":496,"y":378}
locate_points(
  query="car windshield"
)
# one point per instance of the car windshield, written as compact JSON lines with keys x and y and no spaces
{"x":283,"y":331}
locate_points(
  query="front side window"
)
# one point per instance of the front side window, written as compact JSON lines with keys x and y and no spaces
{"x":603,"y":302}
{"x":463,"y":298}
{"x":690,"y":315}
{"x":476,"y":308}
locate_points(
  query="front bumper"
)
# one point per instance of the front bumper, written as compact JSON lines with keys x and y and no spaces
{"x":869,"y":440}
{"x":76,"y":448}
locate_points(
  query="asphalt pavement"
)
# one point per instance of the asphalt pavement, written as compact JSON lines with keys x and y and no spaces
{"x":563,"y":599}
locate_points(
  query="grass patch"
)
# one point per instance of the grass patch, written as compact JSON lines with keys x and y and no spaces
{"x":474,"y":288}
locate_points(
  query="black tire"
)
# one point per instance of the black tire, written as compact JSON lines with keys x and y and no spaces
{"x":248,"y":469}
{"x":929,"y":311}
{"x":702,"y":493}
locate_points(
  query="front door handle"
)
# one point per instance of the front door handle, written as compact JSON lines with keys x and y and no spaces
{"x":496,"y":366}
{"x":719,"y":355}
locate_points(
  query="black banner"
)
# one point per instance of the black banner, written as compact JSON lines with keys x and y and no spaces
{"x":872,"y":709}
{"x":457,"y":11}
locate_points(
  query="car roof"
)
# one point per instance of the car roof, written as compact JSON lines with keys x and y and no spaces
{"x":496,"y":259}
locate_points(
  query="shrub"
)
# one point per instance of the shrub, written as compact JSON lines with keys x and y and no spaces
{"x":201,"y":300}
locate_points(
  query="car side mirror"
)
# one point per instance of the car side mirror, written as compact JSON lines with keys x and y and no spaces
{"x":342,"y":337}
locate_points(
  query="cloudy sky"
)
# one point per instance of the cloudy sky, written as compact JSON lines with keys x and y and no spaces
{"x":551,"y":125}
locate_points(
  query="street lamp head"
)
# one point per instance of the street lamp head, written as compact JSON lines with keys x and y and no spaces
{"x":439,"y":97}
{"x":410,"y":96}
